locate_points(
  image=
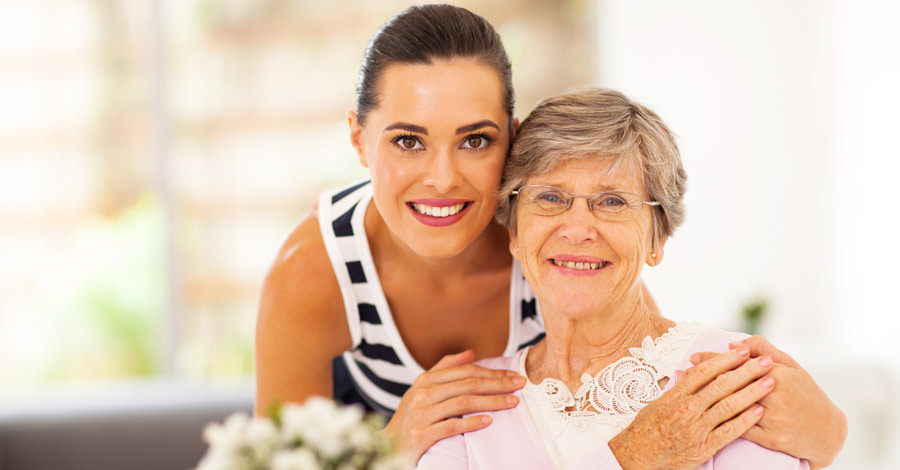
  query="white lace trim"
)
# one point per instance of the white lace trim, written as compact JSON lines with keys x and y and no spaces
{"x":618,"y":392}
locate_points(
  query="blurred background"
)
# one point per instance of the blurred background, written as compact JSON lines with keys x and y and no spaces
{"x":154,"y":154}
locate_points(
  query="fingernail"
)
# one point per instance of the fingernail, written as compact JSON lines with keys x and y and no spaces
{"x":486,"y":419}
{"x":510,"y":373}
{"x":695,"y":358}
{"x":519,"y":380}
{"x":765,"y":361}
{"x":758,"y":411}
{"x":735,"y":344}
{"x":768,"y":382}
{"x":511,"y":399}
{"x":743,"y":352}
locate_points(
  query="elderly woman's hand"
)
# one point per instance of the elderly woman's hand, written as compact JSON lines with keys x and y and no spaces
{"x":429,"y":410}
{"x":799,"y":420}
{"x":711,"y":406}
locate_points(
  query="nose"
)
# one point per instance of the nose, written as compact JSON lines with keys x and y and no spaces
{"x":442,"y":172}
{"x":578,"y":225}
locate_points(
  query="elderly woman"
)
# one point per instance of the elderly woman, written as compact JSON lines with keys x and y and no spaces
{"x":592,"y":190}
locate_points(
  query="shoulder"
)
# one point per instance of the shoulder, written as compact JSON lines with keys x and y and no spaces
{"x":301,"y":291}
{"x":713,"y":339}
{"x":511,"y":362}
{"x":745,"y":455}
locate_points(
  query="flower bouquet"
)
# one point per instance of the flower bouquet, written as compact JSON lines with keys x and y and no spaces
{"x":318,"y":435}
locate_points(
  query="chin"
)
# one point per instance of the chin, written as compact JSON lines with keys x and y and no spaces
{"x":573,"y":305}
{"x":437,"y":248}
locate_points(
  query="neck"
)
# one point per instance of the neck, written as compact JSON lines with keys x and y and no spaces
{"x":488,"y":252}
{"x":573,"y":347}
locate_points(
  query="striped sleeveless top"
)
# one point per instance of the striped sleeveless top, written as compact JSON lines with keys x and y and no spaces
{"x":378,"y":363}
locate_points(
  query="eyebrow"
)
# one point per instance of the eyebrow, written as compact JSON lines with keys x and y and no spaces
{"x":407,"y":127}
{"x":476,"y":125}
{"x":459,"y":130}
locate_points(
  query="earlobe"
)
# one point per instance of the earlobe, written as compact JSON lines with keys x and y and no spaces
{"x":656,"y":254}
{"x":513,"y":245}
{"x":356,"y":137}
{"x":515,"y":128}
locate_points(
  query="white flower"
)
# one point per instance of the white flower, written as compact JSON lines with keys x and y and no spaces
{"x":391,"y":462}
{"x":217,"y":461}
{"x":227,"y":436}
{"x":361,"y":438}
{"x":316,"y":435}
{"x":296,"y":459}
{"x":262,"y":437}
{"x":332,"y":427}
{"x":295,"y":420}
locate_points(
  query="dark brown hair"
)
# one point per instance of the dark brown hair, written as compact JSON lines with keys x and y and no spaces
{"x":423,"y":33}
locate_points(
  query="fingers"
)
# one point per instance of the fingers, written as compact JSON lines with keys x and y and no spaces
{"x":457,"y":373}
{"x":699,"y":357}
{"x":760,"y":435}
{"x":428,"y":435}
{"x":733,"y":380}
{"x":473,"y":385}
{"x":468,"y":404}
{"x":457,"y":359}
{"x":759,"y":346}
{"x":706,"y":371}
{"x":739,"y":401}
{"x":734,"y":428}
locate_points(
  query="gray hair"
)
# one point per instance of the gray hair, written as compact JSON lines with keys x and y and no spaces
{"x":597,"y":122}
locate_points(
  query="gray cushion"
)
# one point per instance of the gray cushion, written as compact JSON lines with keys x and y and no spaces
{"x":150,"y":425}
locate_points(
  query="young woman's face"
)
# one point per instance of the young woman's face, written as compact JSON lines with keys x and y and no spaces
{"x":435,"y":147}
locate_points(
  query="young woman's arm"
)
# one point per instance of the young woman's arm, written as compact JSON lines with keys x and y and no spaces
{"x":800,"y":419}
{"x":301,"y":325}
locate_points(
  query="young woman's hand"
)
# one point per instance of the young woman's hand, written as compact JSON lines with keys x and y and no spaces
{"x":799,"y":420}
{"x":712,"y":405}
{"x":432,"y":407}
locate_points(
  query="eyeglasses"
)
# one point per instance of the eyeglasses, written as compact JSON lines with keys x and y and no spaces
{"x":549,"y":200}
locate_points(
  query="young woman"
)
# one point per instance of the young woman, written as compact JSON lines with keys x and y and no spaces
{"x":388,"y":292}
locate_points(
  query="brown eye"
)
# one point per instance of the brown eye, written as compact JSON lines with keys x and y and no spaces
{"x":475,"y":141}
{"x":408,"y":142}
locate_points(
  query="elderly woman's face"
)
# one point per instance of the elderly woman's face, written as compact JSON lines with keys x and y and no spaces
{"x":608,"y":254}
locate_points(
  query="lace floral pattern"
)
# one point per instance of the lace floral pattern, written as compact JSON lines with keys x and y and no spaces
{"x":618,"y":392}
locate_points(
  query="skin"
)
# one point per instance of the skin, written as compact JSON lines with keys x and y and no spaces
{"x":594,"y":316}
{"x":773,"y":430}
{"x":461,"y":273}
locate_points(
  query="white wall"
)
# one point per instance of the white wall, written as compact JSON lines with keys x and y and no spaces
{"x":787,"y":120}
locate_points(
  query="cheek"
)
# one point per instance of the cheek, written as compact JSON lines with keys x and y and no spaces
{"x":486,"y":174}
{"x":392,"y":174}
{"x":631,"y":243}
{"x":531,"y":239}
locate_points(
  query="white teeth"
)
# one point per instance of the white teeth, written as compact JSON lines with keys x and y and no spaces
{"x":444,"y":211}
{"x":577,"y":265}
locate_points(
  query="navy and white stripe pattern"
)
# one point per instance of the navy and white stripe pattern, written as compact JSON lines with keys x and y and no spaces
{"x":379,"y":364}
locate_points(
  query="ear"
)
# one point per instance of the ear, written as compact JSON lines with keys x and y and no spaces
{"x":513,"y":244}
{"x":356,"y":137}
{"x":655,"y":256}
{"x":515,"y":128}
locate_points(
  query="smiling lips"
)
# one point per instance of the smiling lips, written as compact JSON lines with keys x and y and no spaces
{"x":578,"y":265}
{"x":439,"y":212}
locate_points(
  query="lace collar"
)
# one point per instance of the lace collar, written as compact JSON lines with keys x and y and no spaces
{"x":618,"y":392}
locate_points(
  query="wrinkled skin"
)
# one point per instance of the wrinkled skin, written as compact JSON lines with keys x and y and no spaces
{"x":711,"y":405}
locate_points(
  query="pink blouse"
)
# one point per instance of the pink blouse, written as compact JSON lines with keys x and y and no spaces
{"x":512,"y":441}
